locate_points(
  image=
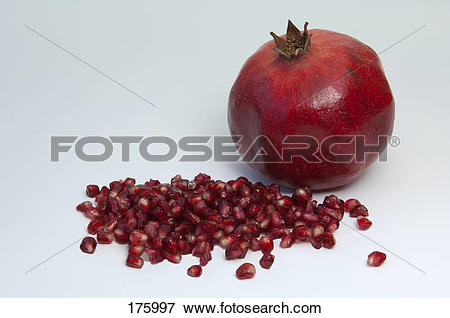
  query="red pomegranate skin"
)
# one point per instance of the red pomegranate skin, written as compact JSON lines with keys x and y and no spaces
{"x":313,"y":95}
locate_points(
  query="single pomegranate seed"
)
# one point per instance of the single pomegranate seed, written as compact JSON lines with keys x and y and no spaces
{"x":239,"y":214}
{"x":136,"y":250}
{"x":317,"y":242}
{"x":88,"y":245}
{"x":328,"y":240}
{"x":170,"y":245}
{"x":120,"y":236}
{"x":195,"y":271}
{"x":173,"y":258}
{"x":138,"y":237}
{"x":151,"y":229}
{"x":205,"y":258}
{"x":332,"y":202}
{"x":287,"y":241}
{"x":376,"y":259}
{"x":276,"y":221}
{"x":363,"y":223}
{"x":135,"y":261}
{"x":359,"y":210}
{"x":317,"y":230}
{"x":350,"y":204}
{"x":233,"y":252}
{"x":227,"y":241}
{"x":92,"y":190}
{"x":105,"y":237}
{"x":94,"y":226}
{"x":254,"y":245}
{"x":284,"y":202}
{"x":266,"y":244}
{"x":333,"y":226}
{"x":303,"y":233}
{"x":93,"y":213}
{"x":84,"y":206}
{"x":144,"y":205}
{"x":266,"y":261}
{"x":302,"y":195}
{"x":246,"y":271}
{"x":154,"y":256}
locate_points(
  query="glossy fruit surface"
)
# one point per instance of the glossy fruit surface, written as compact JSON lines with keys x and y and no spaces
{"x":335,"y":87}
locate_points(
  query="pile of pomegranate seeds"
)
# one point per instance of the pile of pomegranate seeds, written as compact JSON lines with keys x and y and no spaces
{"x":165,"y":221}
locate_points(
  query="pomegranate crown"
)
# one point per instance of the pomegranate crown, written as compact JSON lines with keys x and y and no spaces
{"x":295,"y":44}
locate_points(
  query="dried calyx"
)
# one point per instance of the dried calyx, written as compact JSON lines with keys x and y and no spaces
{"x":295,"y":44}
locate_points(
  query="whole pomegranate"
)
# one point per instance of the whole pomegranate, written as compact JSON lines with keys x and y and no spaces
{"x":319,"y":84}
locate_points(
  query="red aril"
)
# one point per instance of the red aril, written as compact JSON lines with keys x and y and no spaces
{"x":266,"y":261}
{"x":363,"y":223}
{"x":194,"y":271}
{"x":88,"y":245}
{"x":376,"y":259}
{"x":246,"y":271}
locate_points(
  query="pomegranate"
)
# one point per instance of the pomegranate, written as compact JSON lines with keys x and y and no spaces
{"x":318,"y":84}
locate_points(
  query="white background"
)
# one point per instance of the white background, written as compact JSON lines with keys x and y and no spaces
{"x":183,"y":56}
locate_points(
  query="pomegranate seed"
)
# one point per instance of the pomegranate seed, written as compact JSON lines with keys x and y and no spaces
{"x":266,"y":261}
{"x":84,"y":206}
{"x":376,"y":259}
{"x":94,"y":226}
{"x":363,"y":223}
{"x":359,"y":210}
{"x":136,"y":250}
{"x":284,"y":202}
{"x":104,"y":237}
{"x":233,"y":252}
{"x":317,"y":230}
{"x":350,"y":204}
{"x":205,"y":258}
{"x":170,"y":245}
{"x":303,"y":233}
{"x":194,"y":271}
{"x":151,"y":229}
{"x":227,"y":241}
{"x":138,"y":237}
{"x":287,"y":241}
{"x":120,"y":236}
{"x":93,"y":213}
{"x":92,"y":190}
{"x":317,"y":242}
{"x":254,"y":245}
{"x":246,"y":271}
{"x":266,"y":244}
{"x":328,"y":240}
{"x":154,"y":256}
{"x":88,"y":245}
{"x":239,"y":214}
{"x":302,"y":195}
{"x":173,"y":258}
{"x":275,"y":220}
{"x":144,"y":205}
{"x":332,"y":202}
{"x":135,"y":261}
{"x":333,"y":226}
